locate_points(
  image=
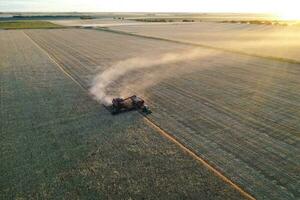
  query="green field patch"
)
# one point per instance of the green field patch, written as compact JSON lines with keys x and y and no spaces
{"x":27,"y":25}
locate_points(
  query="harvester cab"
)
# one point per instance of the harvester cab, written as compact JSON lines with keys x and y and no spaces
{"x":131,"y":103}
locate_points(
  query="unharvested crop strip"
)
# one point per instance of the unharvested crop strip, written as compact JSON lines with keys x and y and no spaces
{"x":159,"y":129}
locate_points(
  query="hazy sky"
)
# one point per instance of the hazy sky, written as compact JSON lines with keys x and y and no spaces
{"x":149,"y":5}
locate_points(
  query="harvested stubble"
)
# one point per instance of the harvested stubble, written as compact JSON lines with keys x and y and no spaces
{"x":57,"y":143}
{"x":239,"y":112}
{"x":264,"y":40}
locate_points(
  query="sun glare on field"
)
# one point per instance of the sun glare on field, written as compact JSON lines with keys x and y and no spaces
{"x":290,"y":16}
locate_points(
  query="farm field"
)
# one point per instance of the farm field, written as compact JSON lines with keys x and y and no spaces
{"x":27,"y":25}
{"x":109,"y":22}
{"x":58,"y":143}
{"x":262,"y":40}
{"x":239,"y":112}
{"x":92,"y":22}
{"x":125,"y":18}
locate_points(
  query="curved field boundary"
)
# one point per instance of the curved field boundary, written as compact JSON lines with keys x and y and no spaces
{"x":160,"y":130}
{"x":292,"y":61}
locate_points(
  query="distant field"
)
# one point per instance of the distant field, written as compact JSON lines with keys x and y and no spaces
{"x":239,"y":112}
{"x":94,"y":22}
{"x":27,"y":25}
{"x":263,"y":40}
{"x":203,"y":16}
{"x":167,"y":19}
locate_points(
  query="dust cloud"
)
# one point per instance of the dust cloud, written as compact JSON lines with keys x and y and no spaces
{"x":101,"y":82}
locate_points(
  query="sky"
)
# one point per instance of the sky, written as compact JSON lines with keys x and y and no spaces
{"x":248,"y":6}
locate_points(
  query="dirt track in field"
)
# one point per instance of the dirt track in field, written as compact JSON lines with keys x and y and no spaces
{"x":240,"y":113}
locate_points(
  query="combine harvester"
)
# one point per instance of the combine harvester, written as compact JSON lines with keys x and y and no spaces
{"x":134,"y":102}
